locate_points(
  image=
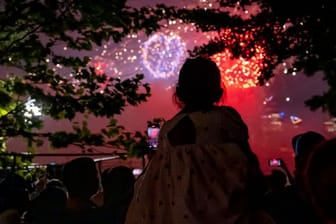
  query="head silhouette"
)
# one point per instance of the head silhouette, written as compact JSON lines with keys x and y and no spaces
{"x":118,"y":184}
{"x":302,"y":144}
{"x":13,"y":193}
{"x":320,"y":179}
{"x":80,"y":177}
{"x":47,"y":207}
{"x":199,"y":84}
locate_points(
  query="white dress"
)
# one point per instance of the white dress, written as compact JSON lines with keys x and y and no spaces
{"x":204,"y":182}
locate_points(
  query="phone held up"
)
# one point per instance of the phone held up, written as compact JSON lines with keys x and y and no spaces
{"x":153,"y":136}
{"x":274,"y":163}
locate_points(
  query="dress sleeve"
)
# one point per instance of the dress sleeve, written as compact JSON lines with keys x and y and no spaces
{"x":238,"y":128}
{"x":257,"y":184}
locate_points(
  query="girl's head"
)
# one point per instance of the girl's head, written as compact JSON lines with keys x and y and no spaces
{"x":199,"y":84}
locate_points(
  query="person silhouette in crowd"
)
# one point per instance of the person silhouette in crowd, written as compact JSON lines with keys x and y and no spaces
{"x":14,"y":198}
{"x":118,"y":187}
{"x":203,"y":170}
{"x":80,"y":177}
{"x":302,"y":145}
{"x":38,"y":186}
{"x":290,"y":205}
{"x":48,"y":206}
{"x":319,"y":178}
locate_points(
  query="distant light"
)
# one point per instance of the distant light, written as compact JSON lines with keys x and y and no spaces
{"x":295,"y":120}
{"x":287,"y":99}
{"x":137,"y":172}
{"x":330,"y":125}
{"x":32,"y":109}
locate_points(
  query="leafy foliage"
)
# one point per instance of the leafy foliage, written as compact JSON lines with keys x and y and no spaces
{"x":31,"y":34}
{"x":33,"y":31}
{"x":305,"y":31}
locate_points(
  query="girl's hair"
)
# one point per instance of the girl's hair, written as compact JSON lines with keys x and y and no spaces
{"x":199,"y":84}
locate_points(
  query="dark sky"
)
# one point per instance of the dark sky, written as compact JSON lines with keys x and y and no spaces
{"x":269,"y":136}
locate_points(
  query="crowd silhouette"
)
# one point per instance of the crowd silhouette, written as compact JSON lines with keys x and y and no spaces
{"x":203,"y":171}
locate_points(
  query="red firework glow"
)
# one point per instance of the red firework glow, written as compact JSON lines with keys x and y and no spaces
{"x":240,"y":72}
{"x":99,"y":67}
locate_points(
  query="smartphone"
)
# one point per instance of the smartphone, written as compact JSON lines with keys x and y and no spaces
{"x":153,"y":136}
{"x":274,"y":162}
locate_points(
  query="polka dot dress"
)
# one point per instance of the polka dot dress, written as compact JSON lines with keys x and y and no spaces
{"x":202,"y":182}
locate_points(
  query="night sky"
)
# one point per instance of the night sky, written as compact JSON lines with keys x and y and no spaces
{"x":267,"y":110}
